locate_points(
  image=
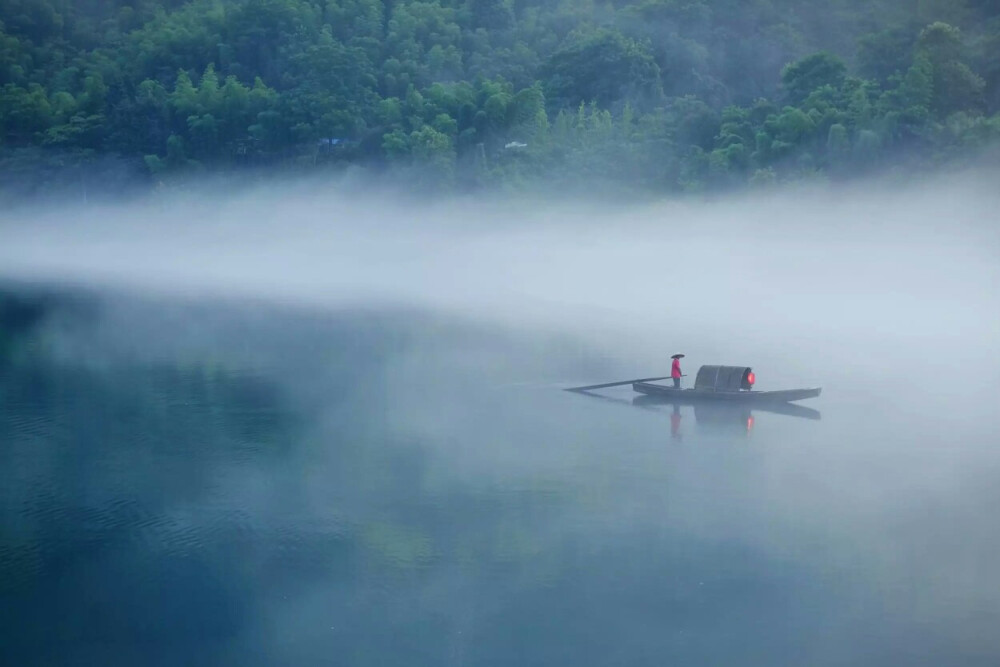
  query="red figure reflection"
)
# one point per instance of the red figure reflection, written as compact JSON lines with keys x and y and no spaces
{"x":675,"y":423}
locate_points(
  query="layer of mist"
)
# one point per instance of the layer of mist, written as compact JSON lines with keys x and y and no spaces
{"x":399,"y":465}
{"x":864,"y":275}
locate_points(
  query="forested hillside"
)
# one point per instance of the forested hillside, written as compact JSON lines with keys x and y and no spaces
{"x":655,"y":95}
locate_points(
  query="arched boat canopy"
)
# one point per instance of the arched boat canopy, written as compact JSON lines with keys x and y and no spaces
{"x":723,"y":378}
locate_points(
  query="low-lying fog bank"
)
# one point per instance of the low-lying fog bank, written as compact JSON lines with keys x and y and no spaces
{"x":880,"y":277}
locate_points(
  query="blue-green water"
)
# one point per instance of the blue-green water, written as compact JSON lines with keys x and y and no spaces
{"x":227,"y":484}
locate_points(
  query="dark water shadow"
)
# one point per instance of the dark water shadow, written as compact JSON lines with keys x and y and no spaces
{"x":709,"y":411}
{"x":721,"y":410}
{"x":709,"y":416}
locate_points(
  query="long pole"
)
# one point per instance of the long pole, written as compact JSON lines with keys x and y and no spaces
{"x":617,"y":384}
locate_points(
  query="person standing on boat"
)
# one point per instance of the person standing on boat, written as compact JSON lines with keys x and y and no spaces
{"x":675,"y":370}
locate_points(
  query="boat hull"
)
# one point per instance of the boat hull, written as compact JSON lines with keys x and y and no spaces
{"x":784,"y":396}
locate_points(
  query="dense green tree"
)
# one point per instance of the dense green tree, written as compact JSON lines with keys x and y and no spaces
{"x":604,"y":67}
{"x":491,"y":14}
{"x":24,"y":112}
{"x":802,"y":77}
{"x":955,"y":86}
{"x":986,"y":61}
{"x":885,"y":53}
{"x":676,"y":94}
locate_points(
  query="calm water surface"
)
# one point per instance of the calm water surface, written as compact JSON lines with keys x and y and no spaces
{"x":237,"y":485}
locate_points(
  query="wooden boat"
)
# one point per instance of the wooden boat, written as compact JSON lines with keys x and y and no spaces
{"x":724,"y":383}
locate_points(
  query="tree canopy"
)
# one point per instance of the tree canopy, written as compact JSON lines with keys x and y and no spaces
{"x":658,"y":95}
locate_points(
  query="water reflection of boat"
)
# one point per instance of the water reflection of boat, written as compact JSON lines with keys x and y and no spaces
{"x":723,"y":417}
{"x":727,"y":417}
{"x":707,"y":408}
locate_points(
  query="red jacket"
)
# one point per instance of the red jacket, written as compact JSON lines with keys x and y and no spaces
{"x":675,"y":369}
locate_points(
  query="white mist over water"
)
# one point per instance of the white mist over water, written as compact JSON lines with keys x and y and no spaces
{"x":887,"y":298}
{"x":801,"y":281}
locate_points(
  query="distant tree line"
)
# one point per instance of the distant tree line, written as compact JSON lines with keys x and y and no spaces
{"x":658,"y":95}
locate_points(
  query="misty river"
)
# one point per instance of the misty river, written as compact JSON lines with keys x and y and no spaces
{"x":239,"y":477}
